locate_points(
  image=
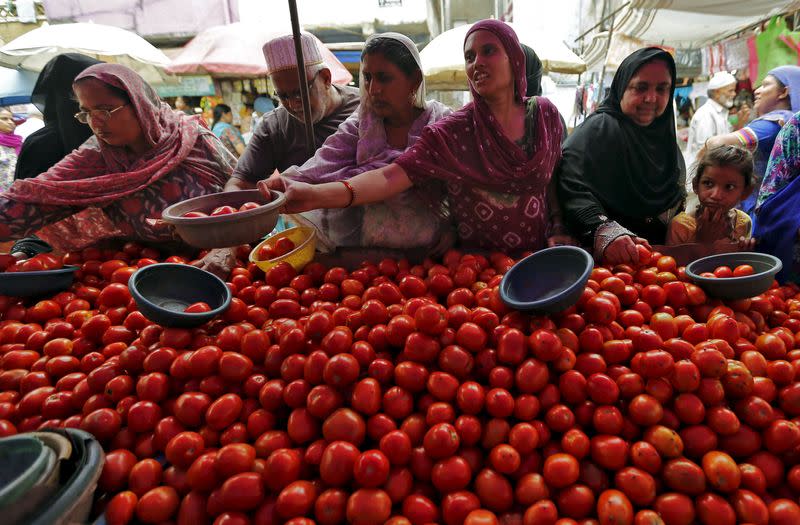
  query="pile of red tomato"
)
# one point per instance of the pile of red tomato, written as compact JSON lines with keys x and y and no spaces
{"x":408,"y":394}
{"x":725,"y":272}
{"x":222,"y":210}
{"x":279,"y":248}
{"x":38,"y":263}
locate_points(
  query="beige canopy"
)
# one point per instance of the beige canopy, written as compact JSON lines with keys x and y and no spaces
{"x":443,"y":57}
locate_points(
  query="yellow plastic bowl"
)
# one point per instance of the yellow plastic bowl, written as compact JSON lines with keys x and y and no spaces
{"x":305,"y":240}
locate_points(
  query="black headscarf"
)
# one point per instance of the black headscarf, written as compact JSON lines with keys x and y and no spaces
{"x":61,"y":133}
{"x":612,"y":168}
{"x":533,"y":70}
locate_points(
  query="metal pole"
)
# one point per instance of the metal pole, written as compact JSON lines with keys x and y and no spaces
{"x":608,"y":46}
{"x":301,"y":74}
{"x":602,"y":21}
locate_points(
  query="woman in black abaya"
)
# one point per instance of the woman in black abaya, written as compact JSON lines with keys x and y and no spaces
{"x":621,"y":177}
{"x":61,"y":133}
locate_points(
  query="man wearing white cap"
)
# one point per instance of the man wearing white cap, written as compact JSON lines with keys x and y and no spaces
{"x":279,"y":141}
{"x":712,"y":117}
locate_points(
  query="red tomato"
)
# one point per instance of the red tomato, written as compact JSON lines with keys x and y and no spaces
{"x":157,"y":505}
{"x":249,"y":206}
{"x":743,"y":270}
{"x":223,"y":210}
{"x":196,"y":308}
{"x":121,"y":508}
{"x":368,"y":507}
{"x":283,"y":246}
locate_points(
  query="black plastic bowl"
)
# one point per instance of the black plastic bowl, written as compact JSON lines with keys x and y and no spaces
{"x":550,"y":280}
{"x":766,"y":267}
{"x":163,"y":291}
{"x":27,"y":284}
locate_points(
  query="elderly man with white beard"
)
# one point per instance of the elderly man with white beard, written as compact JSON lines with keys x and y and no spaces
{"x":712,"y":117}
{"x":279,"y":141}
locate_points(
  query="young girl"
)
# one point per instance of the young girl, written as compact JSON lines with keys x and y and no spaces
{"x":724,"y":177}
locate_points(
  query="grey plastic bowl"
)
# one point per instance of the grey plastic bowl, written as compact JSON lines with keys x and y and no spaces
{"x":225,"y":230}
{"x":550,"y":280}
{"x":27,"y":284}
{"x":72,"y":501}
{"x":23,"y":462}
{"x":766,"y":267}
{"x":163,"y":291}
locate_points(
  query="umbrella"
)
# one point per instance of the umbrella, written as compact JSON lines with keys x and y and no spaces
{"x":443,"y":57}
{"x":235,"y":50}
{"x":111,"y":44}
{"x":16,"y":86}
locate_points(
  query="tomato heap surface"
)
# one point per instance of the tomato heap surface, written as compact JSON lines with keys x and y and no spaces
{"x":411,"y":395}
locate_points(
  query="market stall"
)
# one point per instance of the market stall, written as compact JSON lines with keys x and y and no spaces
{"x":231,"y":55}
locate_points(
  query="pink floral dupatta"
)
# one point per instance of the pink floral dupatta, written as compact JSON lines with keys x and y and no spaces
{"x":100,"y":176}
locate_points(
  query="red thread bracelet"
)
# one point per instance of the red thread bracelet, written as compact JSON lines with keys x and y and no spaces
{"x":352,"y":193}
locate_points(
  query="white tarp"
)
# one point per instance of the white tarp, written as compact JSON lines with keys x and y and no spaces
{"x":686,"y":24}
{"x":713,"y":7}
{"x":35,"y":48}
{"x":443,"y":57}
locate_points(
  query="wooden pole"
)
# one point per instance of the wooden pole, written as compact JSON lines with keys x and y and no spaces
{"x":301,"y":74}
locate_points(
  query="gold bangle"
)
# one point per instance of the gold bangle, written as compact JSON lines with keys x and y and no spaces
{"x":352,"y":193}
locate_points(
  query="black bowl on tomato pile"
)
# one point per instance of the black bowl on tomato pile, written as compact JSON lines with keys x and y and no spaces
{"x":30,"y":284}
{"x":550,"y":280}
{"x":163,"y":291}
{"x":765,"y":267}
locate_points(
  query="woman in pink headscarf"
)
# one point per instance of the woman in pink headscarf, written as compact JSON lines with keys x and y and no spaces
{"x":143,"y":157}
{"x":10,"y":144}
{"x":496,"y":155}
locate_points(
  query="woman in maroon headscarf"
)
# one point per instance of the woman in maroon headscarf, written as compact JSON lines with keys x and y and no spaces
{"x":496,"y":155}
{"x":143,"y":157}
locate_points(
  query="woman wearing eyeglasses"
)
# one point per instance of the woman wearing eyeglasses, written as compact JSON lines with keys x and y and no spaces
{"x":143,"y":157}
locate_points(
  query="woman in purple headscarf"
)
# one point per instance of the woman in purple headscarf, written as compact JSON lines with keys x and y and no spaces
{"x":776,"y":100}
{"x":496,"y":155}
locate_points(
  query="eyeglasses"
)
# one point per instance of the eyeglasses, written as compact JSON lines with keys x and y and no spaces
{"x":96,"y":114}
{"x":295,"y":95}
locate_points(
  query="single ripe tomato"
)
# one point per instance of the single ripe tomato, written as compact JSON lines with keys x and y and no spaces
{"x":223,"y":210}
{"x":194,"y":214}
{"x":266,"y":252}
{"x":743,"y":270}
{"x":283,"y":246}
{"x":249,"y":206}
{"x":723,"y":272}
{"x":197,"y":308}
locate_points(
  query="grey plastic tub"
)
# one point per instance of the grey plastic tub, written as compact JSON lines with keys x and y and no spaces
{"x":766,"y":267}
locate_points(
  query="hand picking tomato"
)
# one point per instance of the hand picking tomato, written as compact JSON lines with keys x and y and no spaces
{"x":197,"y":308}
